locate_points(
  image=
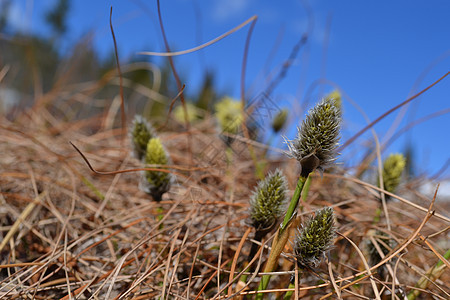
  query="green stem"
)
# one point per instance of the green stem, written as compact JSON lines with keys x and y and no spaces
{"x":306,"y":189}
{"x":229,"y":156}
{"x":289,"y":294}
{"x":281,"y":237}
{"x":432,"y":274}
{"x":279,"y":241}
{"x":244,"y":277}
{"x":377,"y":217}
{"x":269,"y":144}
{"x":160,"y":216}
{"x":95,"y":190}
{"x":294,"y":201}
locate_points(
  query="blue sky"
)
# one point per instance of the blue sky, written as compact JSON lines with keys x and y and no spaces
{"x":377,"y":52}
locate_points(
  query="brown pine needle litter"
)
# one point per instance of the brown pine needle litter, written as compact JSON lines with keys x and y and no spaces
{"x":69,"y":233}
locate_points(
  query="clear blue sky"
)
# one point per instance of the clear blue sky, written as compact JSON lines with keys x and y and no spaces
{"x":377,"y":52}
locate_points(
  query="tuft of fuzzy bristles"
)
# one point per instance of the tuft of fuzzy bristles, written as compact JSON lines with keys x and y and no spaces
{"x":268,"y":201}
{"x":393,"y":168}
{"x":314,"y":238}
{"x":317,"y":138}
{"x":193,"y":113}
{"x":229,"y":115}
{"x":156,"y":183}
{"x":141,"y":132}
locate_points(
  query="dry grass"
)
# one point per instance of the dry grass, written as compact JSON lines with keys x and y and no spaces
{"x":69,"y":233}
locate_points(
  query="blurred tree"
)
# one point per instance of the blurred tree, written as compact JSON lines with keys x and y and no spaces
{"x":207,"y":95}
{"x":33,"y":61}
{"x":37,"y":64}
{"x":57,"y":16}
{"x":4,"y":13}
{"x":410,"y":171}
{"x":81,"y":64}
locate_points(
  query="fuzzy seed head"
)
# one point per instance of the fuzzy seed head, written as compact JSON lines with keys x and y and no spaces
{"x":279,"y":120}
{"x":229,"y":115}
{"x":268,"y":201}
{"x":192,"y":112}
{"x":315,"y":237}
{"x":317,"y":138}
{"x":392,"y":171}
{"x":141,"y":132}
{"x":156,"y":183}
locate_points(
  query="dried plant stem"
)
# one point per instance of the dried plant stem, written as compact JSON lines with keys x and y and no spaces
{"x":191,"y":50}
{"x":359,"y":133}
{"x":433,"y":273}
{"x":236,"y":256}
{"x":22,"y":217}
{"x":282,"y":236}
{"x":242,"y":90}
{"x":122,"y":101}
{"x":254,"y":250}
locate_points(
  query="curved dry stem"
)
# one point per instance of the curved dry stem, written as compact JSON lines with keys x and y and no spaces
{"x":236,"y":256}
{"x":366,"y":265}
{"x":122,"y":100}
{"x":359,"y":133}
{"x":437,"y":215}
{"x":213,"y":41}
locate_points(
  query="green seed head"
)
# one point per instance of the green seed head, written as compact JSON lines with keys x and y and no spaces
{"x":392,"y":171}
{"x":141,"y":132}
{"x":156,"y":183}
{"x":229,"y":115}
{"x":314,"y":238}
{"x":268,"y":201}
{"x":279,"y":120}
{"x":317,"y":138}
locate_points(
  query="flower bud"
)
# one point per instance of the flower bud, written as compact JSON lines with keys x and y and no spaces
{"x":268,"y":201}
{"x":229,"y":115}
{"x":141,"y":132}
{"x":192,"y":112}
{"x":156,"y":183}
{"x":279,"y":120}
{"x":317,"y":138}
{"x":393,"y":168}
{"x":314,"y":238}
